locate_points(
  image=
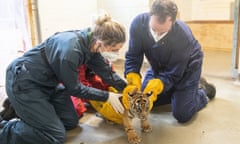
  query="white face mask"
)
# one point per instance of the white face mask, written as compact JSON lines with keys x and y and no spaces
{"x":111,"y":56}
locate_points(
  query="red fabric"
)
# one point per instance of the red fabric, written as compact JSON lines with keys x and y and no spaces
{"x":91,"y":80}
{"x":78,"y":105}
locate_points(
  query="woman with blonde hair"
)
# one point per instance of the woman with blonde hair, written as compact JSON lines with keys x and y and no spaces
{"x":44,"y":108}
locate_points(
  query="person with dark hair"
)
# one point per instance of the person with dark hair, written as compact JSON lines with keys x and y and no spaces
{"x":175,"y":57}
{"x":44,"y":107}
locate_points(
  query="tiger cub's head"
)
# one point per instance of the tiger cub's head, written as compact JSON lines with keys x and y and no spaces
{"x":139,"y":104}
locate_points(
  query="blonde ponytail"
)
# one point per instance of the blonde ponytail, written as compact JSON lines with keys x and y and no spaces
{"x":102,"y":19}
{"x":108,"y":30}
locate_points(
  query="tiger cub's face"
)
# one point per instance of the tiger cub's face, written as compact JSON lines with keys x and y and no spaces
{"x":139,"y":104}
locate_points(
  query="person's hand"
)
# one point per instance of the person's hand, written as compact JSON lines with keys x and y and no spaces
{"x":113,"y":99}
{"x":154,"y":86}
{"x":134,"y":79}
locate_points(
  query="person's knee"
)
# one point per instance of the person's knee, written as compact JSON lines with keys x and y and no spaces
{"x":53,"y":135}
{"x":17,"y":131}
{"x":56,"y":134}
{"x":61,"y":136}
{"x":182,"y":116}
{"x":71,"y":124}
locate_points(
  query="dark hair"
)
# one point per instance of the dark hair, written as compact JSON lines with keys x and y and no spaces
{"x":109,"y":31}
{"x":164,"y":8}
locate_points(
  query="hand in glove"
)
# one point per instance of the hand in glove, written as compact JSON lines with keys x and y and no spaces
{"x":113,"y":99}
{"x":154,"y":86}
{"x":134,"y":79}
{"x":133,"y":83}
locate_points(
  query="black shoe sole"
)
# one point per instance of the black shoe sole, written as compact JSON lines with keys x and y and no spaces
{"x":210,"y":91}
{"x":208,"y":88}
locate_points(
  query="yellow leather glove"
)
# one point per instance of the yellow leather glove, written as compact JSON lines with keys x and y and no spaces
{"x":134,"y":79}
{"x":154,"y":86}
{"x":106,"y":109}
{"x":133,"y":83}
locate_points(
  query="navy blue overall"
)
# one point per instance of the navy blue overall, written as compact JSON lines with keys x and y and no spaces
{"x":45,"y":110}
{"x":176,"y":59}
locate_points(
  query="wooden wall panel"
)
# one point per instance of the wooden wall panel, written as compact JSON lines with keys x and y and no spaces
{"x":213,"y":35}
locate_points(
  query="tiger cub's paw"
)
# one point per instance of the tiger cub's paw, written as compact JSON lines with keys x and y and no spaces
{"x":146,"y":128}
{"x":133,"y":138}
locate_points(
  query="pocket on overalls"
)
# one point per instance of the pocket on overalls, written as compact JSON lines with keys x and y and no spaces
{"x":22,"y":79}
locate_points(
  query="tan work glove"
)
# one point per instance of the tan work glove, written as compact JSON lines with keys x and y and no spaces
{"x":154,"y":86}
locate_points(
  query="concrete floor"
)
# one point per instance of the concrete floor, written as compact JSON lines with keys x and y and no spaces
{"x":218,"y":123}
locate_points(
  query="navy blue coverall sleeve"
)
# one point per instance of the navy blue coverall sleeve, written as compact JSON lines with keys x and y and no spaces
{"x":101,"y":67}
{"x":135,"y":54}
{"x":65,"y":55}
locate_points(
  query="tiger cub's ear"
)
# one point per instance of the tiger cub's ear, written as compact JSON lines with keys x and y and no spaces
{"x":152,"y":99}
{"x":149,"y":94}
{"x":128,"y":92}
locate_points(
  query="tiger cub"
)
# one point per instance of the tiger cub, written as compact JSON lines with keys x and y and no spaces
{"x":138,"y":107}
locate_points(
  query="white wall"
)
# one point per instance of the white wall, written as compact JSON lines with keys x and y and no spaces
{"x":61,"y":15}
{"x":206,"y":10}
{"x":212,"y":10}
{"x":124,"y":11}
{"x":184,"y":9}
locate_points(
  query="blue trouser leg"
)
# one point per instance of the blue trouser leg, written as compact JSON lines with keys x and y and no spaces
{"x":65,"y":110}
{"x":19,"y":132}
{"x":40,"y":123}
{"x":185,"y":103}
{"x":185,"y":100}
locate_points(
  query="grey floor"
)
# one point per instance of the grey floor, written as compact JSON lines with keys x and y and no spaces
{"x":218,"y":123}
